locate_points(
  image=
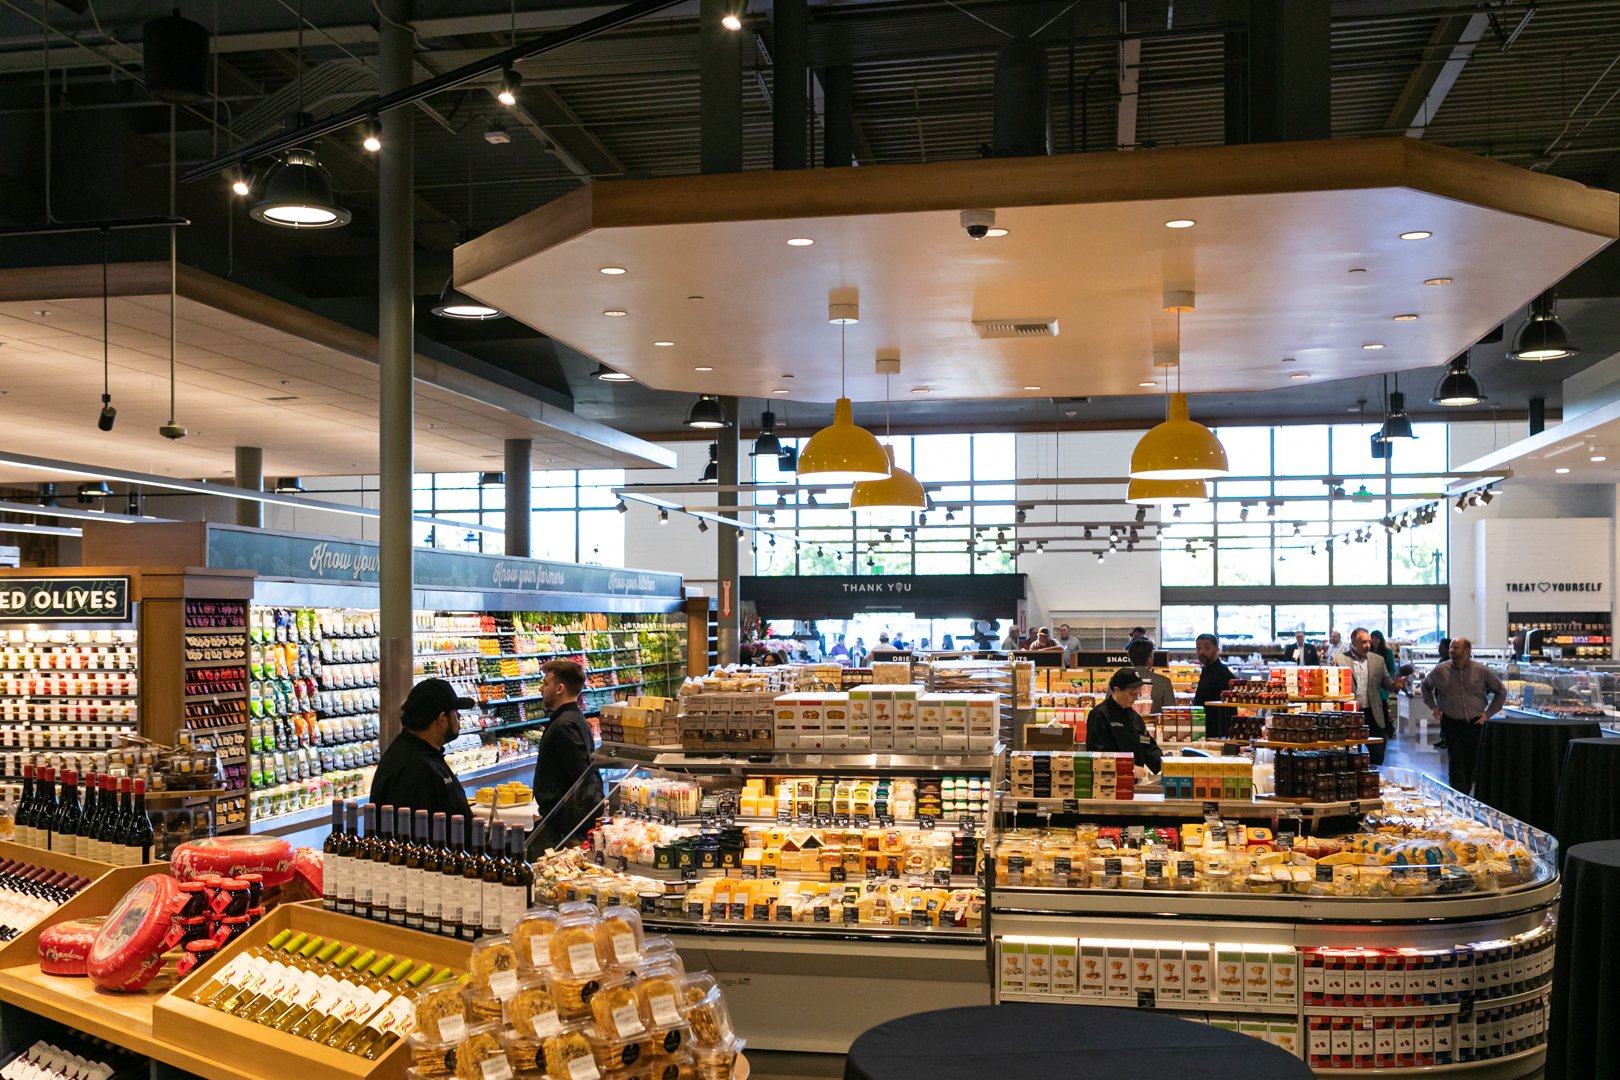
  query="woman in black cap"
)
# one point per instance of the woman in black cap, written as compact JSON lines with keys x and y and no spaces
{"x":1114,"y":726}
{"x":412,"y":771}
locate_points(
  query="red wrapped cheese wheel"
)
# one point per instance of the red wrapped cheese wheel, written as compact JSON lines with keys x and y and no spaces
{"x":231,"y":856}
{"x":128,"y":950}
{"x":306,"y":879}
{"x":65,"y":948}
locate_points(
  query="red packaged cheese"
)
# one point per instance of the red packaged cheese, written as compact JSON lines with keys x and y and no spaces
{"x":128,"y":950}
{"x":65,"y":948}
{"x":306,"y":880}
{"x":231,"y":856}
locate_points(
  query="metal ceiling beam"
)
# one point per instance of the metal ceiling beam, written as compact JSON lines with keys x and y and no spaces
{"x":1449,"y":49}
{"x":544,"y":113}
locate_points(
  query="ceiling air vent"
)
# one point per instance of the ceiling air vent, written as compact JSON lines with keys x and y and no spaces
{"x":1016,"y":328}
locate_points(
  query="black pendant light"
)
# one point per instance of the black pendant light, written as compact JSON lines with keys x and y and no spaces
{"x":767,"y":445}
{"x":706,"y":414}
{"x":1397,"y":425}
{"x":711,"y":471}
{"x":455,"y":304}
{"x":1457,"y":386}
{"x":788,"y":460}
{"x":298,"y":195}
{"x":1543,"y":335}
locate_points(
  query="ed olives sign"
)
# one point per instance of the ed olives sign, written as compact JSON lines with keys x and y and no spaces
{"x":64,"y":600}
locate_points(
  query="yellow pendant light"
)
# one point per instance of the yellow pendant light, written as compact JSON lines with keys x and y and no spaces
{"x":1179,"y":449}
{"x":897,"y":491}
{"x":1167,"y":492}
{"x":842,"y":453}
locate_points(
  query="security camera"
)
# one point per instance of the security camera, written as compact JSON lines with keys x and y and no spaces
{"x":978,"y":223}
{"x":172,"y":430}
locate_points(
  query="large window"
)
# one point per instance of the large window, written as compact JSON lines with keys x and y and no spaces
{"x":969,"y":528}
{"x":573,"y":515}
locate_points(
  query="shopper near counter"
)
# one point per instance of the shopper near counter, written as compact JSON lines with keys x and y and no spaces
{"x":1370,"y":680}
{"x":1162,"y":690}
{"x":567,"y":787}
{"x":1462,"y":695}
{"x":1138,"y":633}
{"x":1010,"y":642}
{"x":1071,"y":644}
{"x":839,"y":652}
{"x":412,"y":771}
{"x":1302,"y":652}
{"x":1215,"y":677}
{"x":1381,"y":647}
{"x":1043,"y":641}
{"x":1114,"y":725}
{"x":1335,"y":645}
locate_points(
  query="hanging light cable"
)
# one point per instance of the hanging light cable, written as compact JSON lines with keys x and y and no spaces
{"x":108,"y":413}
{"x":842,"y":453}
{"x":297,"y":191}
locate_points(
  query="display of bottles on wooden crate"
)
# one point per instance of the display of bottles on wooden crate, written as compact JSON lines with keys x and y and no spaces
{"x":103,"y":818}
{"x":29,"y":892}
{"x":426,"y":872}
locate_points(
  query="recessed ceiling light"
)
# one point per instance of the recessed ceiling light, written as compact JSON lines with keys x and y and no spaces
{"x":919,"y":389}
{"x":703,"y":369}
{"x":1031,"y":388}
{"x":1437,"y":281}
{"x":1560,"y":471}
{"x":612,"y":270}
{"x":667,"y":344}
{"x":1154,"y":384}
{"x":1598,"y":459}
{"x":1416,"y":234}
{"x":1180,"y":223}
{"x":1407,"y":317}
{"x":998,"y":231}
{"x":782,"y":390}
{"x":800,"y":241}
{"x":614,"y":313}
{"x":1300,"y":375}
{"x":1373,"y":345}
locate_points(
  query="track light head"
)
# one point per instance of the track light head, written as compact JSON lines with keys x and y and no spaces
{"x":172,"y":430}
{"x":241,"y":186}
{"x":703,"y":526}
{"x":663,"y":516}
{"x":108,"y":413}
{"x":511,"y":82}
{"x":371,"y":134}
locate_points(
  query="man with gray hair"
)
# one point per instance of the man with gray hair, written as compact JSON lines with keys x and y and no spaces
{"x":1461,"y":694}
{"x":1368,"y":675}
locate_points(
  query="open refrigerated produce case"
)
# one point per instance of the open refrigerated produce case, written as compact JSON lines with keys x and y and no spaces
{"x":1408,"y":935}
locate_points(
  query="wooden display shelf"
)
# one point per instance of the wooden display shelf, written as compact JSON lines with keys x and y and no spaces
{"x":1273,"y":744}
{"x":255,"y":1050}
{"x":54,"y":860}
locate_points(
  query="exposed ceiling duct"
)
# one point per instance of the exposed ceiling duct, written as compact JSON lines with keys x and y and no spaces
{"x":1023,"y":114}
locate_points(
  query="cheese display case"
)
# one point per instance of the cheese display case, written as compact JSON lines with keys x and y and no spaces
{"x":1413,"y":931}
{"x":1567,"y":690}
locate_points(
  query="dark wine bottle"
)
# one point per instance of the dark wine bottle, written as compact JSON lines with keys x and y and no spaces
{"x":491,"y":892}
{"x":331,"y":859}
{"x":65,"y":823}
{"x":414,"y":874}
{"x":138,"y":833}
{"x":22,"y":820}
{"x":433,"y":856}
{"x":45,"y":799}
{"x":363,"y":892}
{"x":398,"y":881}
{"x":381,"y":851}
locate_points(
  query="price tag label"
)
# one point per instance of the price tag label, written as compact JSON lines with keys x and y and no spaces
{"x":1062,"y":865}
{"x":784,"y":817}
{"x":1112,"y":867}
{"x":1071,"y":806}
{"x":1134,"y":834}
{"x":784,"y":913}
{"x":1015,"y":865}
{"x":1434,"y":872}
{"x":621,"y":864}
{"x":953,"y":761}
{"x":822,"y":821}
{"x":925,"y":822}
{"x":739,"y":910}
{"x":750,"y":871}
{"x":762,"y":912}
{"x":706,"y":817}
{"x":841,"y":821}
{"x":871,"y":873}
{"x":1285,"y":841}
{"x":1106,"y":843}
{"x":892,"y":872}
{"x":852,"y":915}
{"x":1355,"y":809}
{"x":728,"y":820}
{"x":600,"y":856}
{"x":861,"y":821}
{"x":1185,"y":868}
{"x":1324,"y":875}
{"x":717,"y":911}
{"x":1212,"y":811}
{"x":688,"y":873}
{"x":837,"y":873}
{"x":812,"y":759}
{"x":669,"y":817}
{"x":1153,"y":868}
{"x":1218,"y":834}
{"x":649,"y":904}
{"x":886,"y":821}
{"x":1144,"y":999}
{"x":1026,"y":807}
{"x":942,"y":877}
{"x":822,"y":915}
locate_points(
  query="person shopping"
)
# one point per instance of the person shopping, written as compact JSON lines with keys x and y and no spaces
{"x":1369,"y":678}
{"x":1301,"y":652}
{"x":1114,"y":725}
{"x":567,"y":787}
{"x":1462,"y":695}
{"x":1215,"y":678}
{"x":1161,"y":690}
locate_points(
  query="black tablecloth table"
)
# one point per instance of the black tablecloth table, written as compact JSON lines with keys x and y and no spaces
{"x":1589,"y":793}
{"x":1583,"y":1028}
{"x":1520,"y":761}
{"x":1075,"y":1042}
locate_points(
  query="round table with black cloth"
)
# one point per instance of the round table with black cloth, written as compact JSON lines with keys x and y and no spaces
{"x":1583,"y":1028}
{"x":1589,"y":793}
{"x":1520,"y":761}
{"x":1075,"y":1042}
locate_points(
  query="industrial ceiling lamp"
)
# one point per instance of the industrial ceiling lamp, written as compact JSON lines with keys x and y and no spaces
{"x":511,"y":83}
{"x":1543,"y":335}
{"x":767,"y":445}
{"x":297,"y":191}
{"x":455,"y":304}
{"x":1397,"y":425}
{"x":108,"y":413}
{"x":706,"y":414}
{"x":899,"y":490}
{"x":1457,"y":386}
{"x":1167,"y":492}
{"x":1180,"y":448}
{"x":732,"y":19}
{"x":607,"y":374}
{"x":842,"y":453}
{"x":711,"y":471}
{"x":289,"y":485}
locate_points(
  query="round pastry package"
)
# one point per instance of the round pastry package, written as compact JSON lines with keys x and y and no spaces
{"x":128,"y":950}
{"x":64,"y":949}
{"x":232,"y":856}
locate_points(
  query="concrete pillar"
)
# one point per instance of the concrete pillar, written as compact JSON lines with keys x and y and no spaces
{"x":397,"y":362}
{"x":1277,"y":71}
{"x":727,"y":545}
{"x":720,"y":90}
{"x":790,"y":98}
{"x":519,"y":497}
{"x":838,"y":119}
{"x":250,"y":474}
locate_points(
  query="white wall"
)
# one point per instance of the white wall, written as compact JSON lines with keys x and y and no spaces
{"x":1545,"y":553}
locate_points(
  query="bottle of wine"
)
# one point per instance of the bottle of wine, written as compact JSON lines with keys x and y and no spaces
{"x":517,"y":882}
{"x":472,"y":885}
{"x":413,"y":873}
{"x":450,"y":880}
{"x":307,"y":987}
{"x":66,"y":823}
{"x":138,"y":833}
{"x":23,"y":820}
{"x":346,"y":860}
{"x":283,"y":973}
{"x":331,"y":861}
{"x":256,"y":975}
{"x":107,"y":831}
{"x":398,"y":877}
{"x":104,"y":806}
{"x":383,"y":991}
{"x":117,"y":847}
{"x":345,"y":987}
{"x":393,"y":1017}
{"x":361,"y":866}
{"x":381,"y":852}
{"x":433,"y":855}
{"x":492,"y":869}
{"x":45,"y":799}
{"x":228,"y":979}
{"x":364,"y":987}
{"x":92,"y":811}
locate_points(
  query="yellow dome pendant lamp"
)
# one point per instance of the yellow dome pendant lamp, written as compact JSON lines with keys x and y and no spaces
{"x":1167,"y":492}
{"x":842,"y":453}
{"x":899,"y":490}
{"x":1180,"y":448}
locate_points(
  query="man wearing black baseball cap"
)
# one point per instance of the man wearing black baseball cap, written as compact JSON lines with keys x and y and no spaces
{"x":412,"y":771}
{"x":1115,"y":726}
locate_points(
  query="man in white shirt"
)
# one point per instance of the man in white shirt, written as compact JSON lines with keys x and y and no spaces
{"x":1335,"y":647}
{"x":1368,"y":675}
{"x":1071,"y":645}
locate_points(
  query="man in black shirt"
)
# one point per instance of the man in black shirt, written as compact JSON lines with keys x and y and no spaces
{"x":412,"y":771}
{"x":1212,"y":683}
{"x":1114,"y":726}
{"x":567,"y":787}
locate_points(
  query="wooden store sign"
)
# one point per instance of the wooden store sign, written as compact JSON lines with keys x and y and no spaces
{"x":61,"y":599}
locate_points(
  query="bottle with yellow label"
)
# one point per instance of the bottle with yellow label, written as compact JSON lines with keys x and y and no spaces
{"x":258,"y":972}
{"x":344,"y":984}
{"x":228,"y":979}
{"x":392,"y":1022}
{"x":284,"y":971}
{"x":382,"y":991}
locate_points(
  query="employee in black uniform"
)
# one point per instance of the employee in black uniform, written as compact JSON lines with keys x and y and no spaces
{"x":567,"y":787}
{"x":1114,"y":726}
{"x":1213,"y":681}
{"x":412,"y":771}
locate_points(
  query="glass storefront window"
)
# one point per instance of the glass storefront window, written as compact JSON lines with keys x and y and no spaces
{"x":1311,"y":618}
{"x":1180,"y":624}
{"x":1238,"y":624}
